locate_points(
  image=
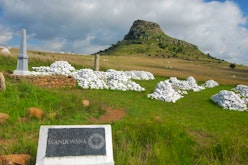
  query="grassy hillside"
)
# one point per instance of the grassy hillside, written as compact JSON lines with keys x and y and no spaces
{"x":202,"y":70}
{"x":147,"y":39}
{"x":191,"y":131}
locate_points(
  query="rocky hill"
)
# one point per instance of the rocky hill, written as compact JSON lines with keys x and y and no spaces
{"x":147,"y":38}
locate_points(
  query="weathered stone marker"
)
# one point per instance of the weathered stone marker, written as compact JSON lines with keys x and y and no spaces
{"x":75,"y":145}
{"x":96,"y":62}
{"x":22,"y":63}
{"x":2,"y":83}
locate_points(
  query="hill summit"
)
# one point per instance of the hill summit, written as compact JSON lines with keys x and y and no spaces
{"x":147,"y":38}
{"x":143,"y":30}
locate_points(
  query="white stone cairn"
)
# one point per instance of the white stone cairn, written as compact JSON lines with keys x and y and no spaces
{"x":165,"y":92}
{"x":229,"y":100}
{"x":56,"y":68}
{"x":140,"y":75}
{"x":242,"y":91}
{"x":114,"y":80}
{"x":173,"y":89}
{"x":189,"y":84}
{"x":121,"y":81}
{"x":237,"y":99}
{"x":90,"y":79}
{"x":210,"y":84}
{"x":22,"y":63}
{"x":5,"y":50}
{"x":169,"y":90}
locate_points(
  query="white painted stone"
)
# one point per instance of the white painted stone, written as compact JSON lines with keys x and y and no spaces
{"x":229,"y":100}
{"x":233,"y":101}
{"x":44,"y":159}
{"x":89,"y":79}
{"x":165,"y":92}
{"x":242,"y":90}
{"x":210,"y":84}
{"x":5,"y":50}
{"x":173,"y":89}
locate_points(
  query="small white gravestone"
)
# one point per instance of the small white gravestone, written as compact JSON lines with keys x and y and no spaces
{"x":75,"y":145}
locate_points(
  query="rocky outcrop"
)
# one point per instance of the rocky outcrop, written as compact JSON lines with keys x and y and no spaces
{"x":143,"y":30}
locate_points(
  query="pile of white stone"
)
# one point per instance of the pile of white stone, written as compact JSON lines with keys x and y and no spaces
{"x":4,"y":50}
{"x":210,"y":84}
{"x":169,"y":90}
{"x":58,"y":67}
{"x":242,"y":91}
{"x":232,"y":100}
{"x":140,"y":75}
{"x":173,"y":89}
{"x":164,"y":91}
{"x":111,"y":79}
{"x":89,"y":79}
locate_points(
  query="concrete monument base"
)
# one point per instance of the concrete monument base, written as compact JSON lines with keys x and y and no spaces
{"x":22,"y":73}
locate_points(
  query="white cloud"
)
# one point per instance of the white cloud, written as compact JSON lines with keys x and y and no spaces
{"x":87,"y":26}
{"x":5,"y":36}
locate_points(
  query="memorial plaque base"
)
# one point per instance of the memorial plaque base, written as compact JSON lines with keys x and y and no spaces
{"x":75,"y":145}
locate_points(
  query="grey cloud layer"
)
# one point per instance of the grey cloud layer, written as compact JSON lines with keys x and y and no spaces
{"x":89,"y":25}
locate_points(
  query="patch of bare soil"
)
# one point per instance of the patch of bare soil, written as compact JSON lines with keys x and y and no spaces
{"x":15,"y":159}
{"x":110,"y":115}
{"x":202,"y":138}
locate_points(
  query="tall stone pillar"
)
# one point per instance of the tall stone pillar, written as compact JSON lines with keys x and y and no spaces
{"x":96,"y":62}
{"x":22,"y":63}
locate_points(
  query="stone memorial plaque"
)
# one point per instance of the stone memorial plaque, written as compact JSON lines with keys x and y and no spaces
{"x":91,"y":144}
{"x":75,"y":142}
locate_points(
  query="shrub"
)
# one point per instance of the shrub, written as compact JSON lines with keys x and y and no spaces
{"x":232,"y":66}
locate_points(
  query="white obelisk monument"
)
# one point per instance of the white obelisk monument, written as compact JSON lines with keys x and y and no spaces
{"x":22,"y":63}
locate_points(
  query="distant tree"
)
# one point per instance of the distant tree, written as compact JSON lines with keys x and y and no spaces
{"x":232,"y":66}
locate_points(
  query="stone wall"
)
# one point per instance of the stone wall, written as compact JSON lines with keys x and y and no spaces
{"x":54,"y":81}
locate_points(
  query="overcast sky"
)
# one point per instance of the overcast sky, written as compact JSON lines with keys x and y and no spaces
{"x":87,"y":26}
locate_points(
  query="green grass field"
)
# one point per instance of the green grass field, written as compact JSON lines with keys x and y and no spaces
{"x":191,"y":131}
